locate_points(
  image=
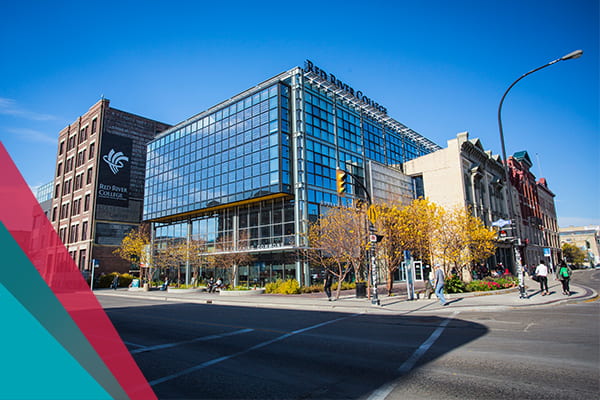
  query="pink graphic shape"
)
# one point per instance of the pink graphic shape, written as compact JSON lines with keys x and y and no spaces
{"x":22,"y":215}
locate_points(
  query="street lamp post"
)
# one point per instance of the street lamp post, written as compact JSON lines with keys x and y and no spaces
{"x":517,"y":255}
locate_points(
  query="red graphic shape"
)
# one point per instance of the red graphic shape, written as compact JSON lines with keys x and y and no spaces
{"x":23,"y":217}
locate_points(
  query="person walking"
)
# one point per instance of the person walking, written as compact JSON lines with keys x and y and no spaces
{"x":541,"y":271}
{"x":327,"y":284}
{"x":439,"y":284}
{"x":115,"y":282}
{"x":563,"y":274}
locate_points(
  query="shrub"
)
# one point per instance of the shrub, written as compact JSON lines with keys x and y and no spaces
{"x":239,"y":287}
{"x":311,"y":289}
{"x":291,"y":286}
{"x":453,"y":284}
{"x":125,"y":280}
{"x":272,"y":287}
{"x":104,"y":281}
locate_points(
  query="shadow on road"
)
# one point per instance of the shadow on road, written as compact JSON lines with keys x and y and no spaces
{"x":205,"y":351}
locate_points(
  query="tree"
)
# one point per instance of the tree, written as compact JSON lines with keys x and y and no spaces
{"x":462,"y":239}
{"x":338,"y":242}
{"x":175,"y":253}
{"x":169,"y":255}
{"x":573,"y":254}
{"x":134,"y":248}
{"x":390,"y":250}
{"x":481,"y":241}
{"x":421,"y":222}
{"x":230,"y":255}
{"x":195,"y":256}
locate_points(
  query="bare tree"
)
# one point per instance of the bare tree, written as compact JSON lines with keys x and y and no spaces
{"x":230,"y":255}
{"x":338,"y":242}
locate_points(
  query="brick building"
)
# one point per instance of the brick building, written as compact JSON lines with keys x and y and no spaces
{"x":99,"y":183}
{"x":535,"y":212}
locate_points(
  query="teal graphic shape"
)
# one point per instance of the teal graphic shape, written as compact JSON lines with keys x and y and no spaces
{"x":34,"y":364}
{"x":48,"y":355}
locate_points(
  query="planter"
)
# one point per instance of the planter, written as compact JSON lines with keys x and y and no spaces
{"x":189,"y":290}
{"x":234,"y":293}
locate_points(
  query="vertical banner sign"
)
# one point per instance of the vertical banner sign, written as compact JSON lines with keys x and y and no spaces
{"x":114,"y":171}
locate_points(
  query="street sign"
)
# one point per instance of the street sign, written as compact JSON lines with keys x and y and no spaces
{"x":373,"y":238}
{"x":501,"y":223}
{"x":547,"y":252}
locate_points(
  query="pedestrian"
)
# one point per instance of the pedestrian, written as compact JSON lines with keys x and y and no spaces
{"x":429,"y":278}
{"x":541,"y":271}
{"x":439,"y":284}
{"x":115,"y":282}
{"x":563,"y":274}
{"x":327,"y":284}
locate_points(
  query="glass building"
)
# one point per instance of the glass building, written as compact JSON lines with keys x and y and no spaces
{"x":250,"y":173}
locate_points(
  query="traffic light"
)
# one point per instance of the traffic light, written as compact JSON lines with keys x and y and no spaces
{"x":340,"y":180}
{"x":505,"y":234}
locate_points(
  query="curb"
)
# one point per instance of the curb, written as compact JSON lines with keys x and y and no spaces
{"x":349,"y":304}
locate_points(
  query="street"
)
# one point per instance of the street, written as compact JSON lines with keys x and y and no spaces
{"x":204,"y":351}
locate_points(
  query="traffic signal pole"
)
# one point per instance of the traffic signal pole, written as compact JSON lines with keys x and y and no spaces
{"x":340,"y":178}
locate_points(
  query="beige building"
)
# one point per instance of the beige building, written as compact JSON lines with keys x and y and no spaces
{"x":587,"y":238}
{"x":464,"y":174}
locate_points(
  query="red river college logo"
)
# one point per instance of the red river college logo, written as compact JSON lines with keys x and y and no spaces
{"x":115,"y":160}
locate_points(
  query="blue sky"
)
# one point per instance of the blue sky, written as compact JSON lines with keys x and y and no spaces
{"x":439,"y":67}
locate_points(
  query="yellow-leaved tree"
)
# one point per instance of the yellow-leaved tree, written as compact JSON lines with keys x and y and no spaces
{"x":338,"y":242}
{"x":134,"y":248}
{"x":389,"y":224}
{"x":421,"y":220}
{"x":462,"y":240}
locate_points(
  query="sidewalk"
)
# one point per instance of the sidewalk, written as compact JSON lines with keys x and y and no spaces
{"x":398,"y":304}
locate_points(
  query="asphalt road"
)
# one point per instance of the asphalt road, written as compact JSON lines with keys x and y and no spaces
{"x":204,"y":351}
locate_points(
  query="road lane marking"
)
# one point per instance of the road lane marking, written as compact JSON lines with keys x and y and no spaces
{"x":385,"y":390}
{"x":409,"y":364}
{"x":200,"y":339}
{"x":255,"y":347}
{"x":133,"y":344}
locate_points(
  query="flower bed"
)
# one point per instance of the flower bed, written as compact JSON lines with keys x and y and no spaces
{"x":492,"y":284}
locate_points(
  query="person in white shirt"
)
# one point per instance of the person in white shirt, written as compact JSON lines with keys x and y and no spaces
{"x":541,"y":271}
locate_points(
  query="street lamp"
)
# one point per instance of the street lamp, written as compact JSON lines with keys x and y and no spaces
{"x":570,"y":56}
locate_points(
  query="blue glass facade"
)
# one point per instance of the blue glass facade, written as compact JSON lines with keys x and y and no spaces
{"x":262,"y":164}
{"x":236,"y":153}
{"x":338,"y":134}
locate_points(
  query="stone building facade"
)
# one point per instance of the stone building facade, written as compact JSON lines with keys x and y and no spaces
{"x":464,"y":175}
{"x":587,"y":238}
